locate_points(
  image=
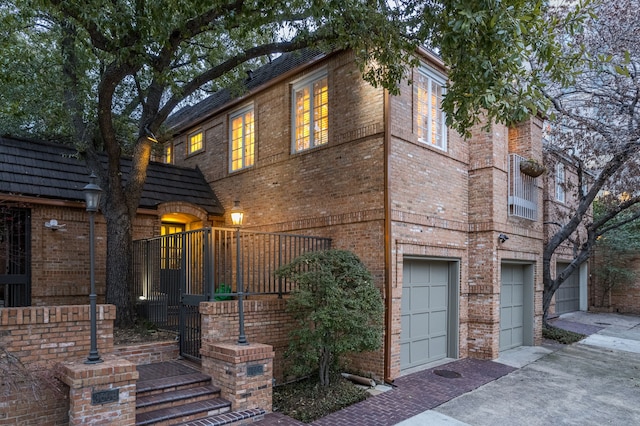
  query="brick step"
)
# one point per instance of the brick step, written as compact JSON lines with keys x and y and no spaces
{"x":230,"y":418}
{"x":156,"y":401}
{"x":183,"y":413}
{"x":171,"y":383}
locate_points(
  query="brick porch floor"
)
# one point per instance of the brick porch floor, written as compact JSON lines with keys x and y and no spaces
{"x":411,"y":395}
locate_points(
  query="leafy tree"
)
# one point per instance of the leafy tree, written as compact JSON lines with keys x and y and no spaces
{"x":105,"y":76}
{"x":595,"y":124}
{"x":337,"y":307}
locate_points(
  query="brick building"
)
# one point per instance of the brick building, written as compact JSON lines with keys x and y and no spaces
{"x":44,"y":231}
{"x":450,"y":228}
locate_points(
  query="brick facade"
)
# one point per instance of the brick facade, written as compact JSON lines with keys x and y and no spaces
{"x":376,"y":190}
{"x":41,"y":337}
{"x":60,"y":258}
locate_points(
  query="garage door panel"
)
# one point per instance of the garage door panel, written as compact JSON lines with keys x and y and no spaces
{"x":438,"y":297}
{"x":438,"y":347}
{"x":406,"y":299}
{"x":505,"y":315}
{"x":419,"y":298}
{"x":419,"y":323}
{"x":438,"y":323}
{"x":517,"y":294}
{"x":405,"y":323}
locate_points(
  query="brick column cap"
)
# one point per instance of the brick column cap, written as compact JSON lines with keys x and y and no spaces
{"x":77,"y":374}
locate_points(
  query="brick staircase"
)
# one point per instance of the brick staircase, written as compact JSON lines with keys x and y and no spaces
{"x":175,"y":393}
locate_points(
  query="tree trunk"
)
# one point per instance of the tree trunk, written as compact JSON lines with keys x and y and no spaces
{"x":325,"y":361}
{"x":119,"y":263}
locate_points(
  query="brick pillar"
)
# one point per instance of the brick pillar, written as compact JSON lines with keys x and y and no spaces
{"x":243,"y":373}
{"x":101,"y":394}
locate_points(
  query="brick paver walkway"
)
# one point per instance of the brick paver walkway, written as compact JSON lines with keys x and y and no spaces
{"x":411,"y":395}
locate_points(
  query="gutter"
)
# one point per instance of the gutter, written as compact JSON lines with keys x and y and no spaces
{"x":387,"y":239}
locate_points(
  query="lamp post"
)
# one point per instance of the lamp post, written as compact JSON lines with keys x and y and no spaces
{"x":237,"y":216}
{"x":92,"y":194}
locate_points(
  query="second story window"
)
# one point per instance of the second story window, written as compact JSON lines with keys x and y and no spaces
{"x":430,"y":119}
{"x":310,"y":112}
{"x":242,"y":138}
{"x":560,"y":182}
{"x":195,"y":142}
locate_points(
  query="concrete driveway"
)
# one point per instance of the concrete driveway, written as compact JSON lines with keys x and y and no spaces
{"x":593,"y":382}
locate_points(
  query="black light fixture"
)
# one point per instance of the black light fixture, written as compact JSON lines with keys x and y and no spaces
{"x":502,"y":238}
{"x":92,"y":193}
{"x":237,"y":216}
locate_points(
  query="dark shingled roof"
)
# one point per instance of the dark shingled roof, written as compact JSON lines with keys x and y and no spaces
{"x":282,"y":64}
{"x":39,"y":169}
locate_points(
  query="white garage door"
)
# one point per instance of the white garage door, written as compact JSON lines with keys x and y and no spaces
{"x":511,"y":306}
{"x":425,"y":292}
{"x":568,"y":295}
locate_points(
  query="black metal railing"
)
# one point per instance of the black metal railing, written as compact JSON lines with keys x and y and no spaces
{"x":174,"y":273}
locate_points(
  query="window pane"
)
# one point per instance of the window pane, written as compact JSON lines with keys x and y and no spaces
{"x":303,"y":119}
{"x":242,"y":140}
{"x":248,"y":139}
{"x":320,"y":112}
{"x":236,"y":143}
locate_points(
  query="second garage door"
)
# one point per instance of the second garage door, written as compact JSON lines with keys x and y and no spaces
{"x":425,"y":316}
{"x":568,"y":295}
{"x":511,"y":306}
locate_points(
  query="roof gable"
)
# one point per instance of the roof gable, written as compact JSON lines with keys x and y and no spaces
{"x":187,"y":116}
{"x":40,"y":169}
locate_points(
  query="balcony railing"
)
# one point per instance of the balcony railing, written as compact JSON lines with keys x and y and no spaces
{"x":523,"y":192}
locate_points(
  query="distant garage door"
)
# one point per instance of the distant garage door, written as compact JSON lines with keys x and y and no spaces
{"x":568,"y":295}
{"x":425,"y":299}
{"x":511,"y":306}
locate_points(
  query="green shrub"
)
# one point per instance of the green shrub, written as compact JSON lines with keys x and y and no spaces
{"x":337,"y":309}
{"x":562,"y":336}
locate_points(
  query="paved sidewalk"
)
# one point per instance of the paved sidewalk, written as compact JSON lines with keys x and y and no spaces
{"x":411,"y":395}
{"x":594,"y":382}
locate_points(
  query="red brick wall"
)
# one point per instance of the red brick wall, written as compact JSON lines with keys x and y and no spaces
{"x":40,"y":337}
{"x":265,"y":322}
{"x":60,"y":259}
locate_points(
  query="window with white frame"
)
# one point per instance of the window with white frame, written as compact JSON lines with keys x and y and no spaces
{"x":195,"y":142}
{"x":560,"y":182}
{"x":430,"y":118}
{"x":310,"y":111}
{"x":242,"y":138}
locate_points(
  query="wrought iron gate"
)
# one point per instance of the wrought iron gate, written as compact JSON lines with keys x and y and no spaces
{"x":15,"y":257}
{"x":174,"y":273}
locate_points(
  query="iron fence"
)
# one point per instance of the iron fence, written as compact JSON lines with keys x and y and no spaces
{"x":174,"y":273}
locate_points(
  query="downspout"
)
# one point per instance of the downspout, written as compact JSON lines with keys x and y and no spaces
{"x":387,"y":239}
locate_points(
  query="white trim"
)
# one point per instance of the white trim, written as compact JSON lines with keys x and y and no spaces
{"x":440,"y":79}
{"x":304,"y":81}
